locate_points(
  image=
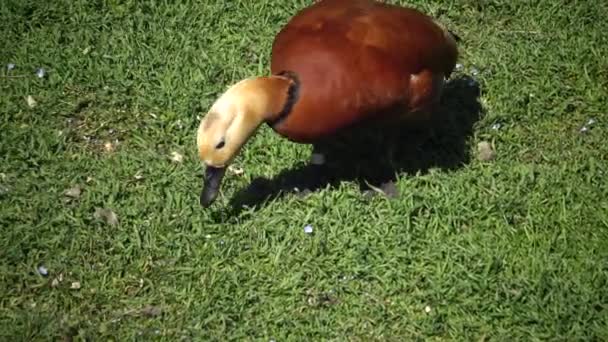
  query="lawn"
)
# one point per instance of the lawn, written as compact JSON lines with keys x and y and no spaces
{"x":515,"y":248}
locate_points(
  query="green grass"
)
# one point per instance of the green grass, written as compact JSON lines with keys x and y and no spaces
{"x":514,"y":249}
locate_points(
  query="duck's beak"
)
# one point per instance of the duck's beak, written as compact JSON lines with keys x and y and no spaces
{"x":211,"y":185}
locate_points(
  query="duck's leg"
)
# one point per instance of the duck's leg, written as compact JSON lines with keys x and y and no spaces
{"x":318,"y":166}
{"x":317,"y":157}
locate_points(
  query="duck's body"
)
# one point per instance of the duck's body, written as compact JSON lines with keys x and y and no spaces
{"x":335,"y":65}
{"x":358,"y":60}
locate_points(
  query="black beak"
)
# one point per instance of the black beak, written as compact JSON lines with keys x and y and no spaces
{"x":211,"y":185}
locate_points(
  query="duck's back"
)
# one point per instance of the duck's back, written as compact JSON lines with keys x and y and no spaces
{"x":357,"y":58}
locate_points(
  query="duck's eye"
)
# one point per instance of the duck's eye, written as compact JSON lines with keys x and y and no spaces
{"x":220,"y":144}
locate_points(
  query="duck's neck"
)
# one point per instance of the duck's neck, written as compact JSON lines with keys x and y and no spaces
{"x":277,"y":96}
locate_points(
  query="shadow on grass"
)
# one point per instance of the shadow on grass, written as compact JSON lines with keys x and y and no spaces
{"x":380,"y":154}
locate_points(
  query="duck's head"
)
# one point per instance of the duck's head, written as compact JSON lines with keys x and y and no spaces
{"x":229,"y":124}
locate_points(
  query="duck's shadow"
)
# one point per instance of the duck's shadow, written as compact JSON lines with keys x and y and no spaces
{"x":378,"y":157}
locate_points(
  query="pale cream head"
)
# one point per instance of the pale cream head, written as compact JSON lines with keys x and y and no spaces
{"x":228,"y":125}
{"x":236,"y":115}
{"x":231,"y":121}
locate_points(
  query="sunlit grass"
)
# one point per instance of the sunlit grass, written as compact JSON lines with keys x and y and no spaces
{"x":513,"y":249}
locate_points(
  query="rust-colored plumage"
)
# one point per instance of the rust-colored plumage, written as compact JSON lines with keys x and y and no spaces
{"x":357,"y":60}
{"x":335,"y":65}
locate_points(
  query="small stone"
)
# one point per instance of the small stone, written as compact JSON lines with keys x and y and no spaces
{"x":427,"y":309}
{"x":89,"y":179}
{"x":459,"y":67}
{"x":496,"y":126}
{"x":73,"y":192}
{"x":106,"y":215}
{"x":43,"y":271}
{"x":75,"y":285}
{"x":150,"y":311}
{"x":485,"y":152}
{"x":138,"y":176}
{"x":177,"y":157}
{"x":308,"y":229}
{"x":30,"y":101}
{"x":474,"y":72}
{"x":584,"y":129}
{"x":10,"y":66}
{"x":40,"y":72}
{"x":86,"y":50}
{"x":591,"y":122}
{"x":390,"y":190}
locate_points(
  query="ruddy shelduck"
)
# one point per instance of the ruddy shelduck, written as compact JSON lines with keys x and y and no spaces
{"x":334,"y":65}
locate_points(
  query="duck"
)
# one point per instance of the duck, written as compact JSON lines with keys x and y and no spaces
{"x":335,"y":65}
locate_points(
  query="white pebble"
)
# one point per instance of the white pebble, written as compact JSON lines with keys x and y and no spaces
{"x":584,"y":129}
{"x":427,"y":309}
{"x":40,"y":72}
{"x":474,"y":72}
{"x":75,"y":285}
{"x":496,"y":126}
{"x":10,"y":66}
{"x":308,"y":229}
{"x":43,"y":271}
{"x":459,"y":67}
{"x":591,"y":122}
